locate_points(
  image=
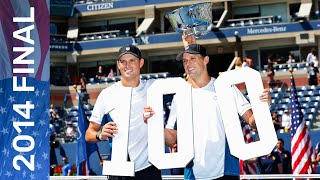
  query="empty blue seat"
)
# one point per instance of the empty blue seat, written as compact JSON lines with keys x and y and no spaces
{"x":301,"y":88}
{"x":72,"y":113}
{"x":307,"y":93}
{"x":74,"y":108}
{"x":310,"y":111}
{"x":304,"y":99}
{"x":74,"y":119}
{"x":87,"y":107}
{"x":274,"y":95}
{"x":281,"y":107}
{"x":286,"y":94}
{"x":312,"y":104}
{"x":284,"y":101}
{"x":316,"y":92}
{"x":88,"y":113}
{"x":308,"y":117}
{"x":304,"y":105}
{"x":315,"y":99}
{"x":275,"y":90}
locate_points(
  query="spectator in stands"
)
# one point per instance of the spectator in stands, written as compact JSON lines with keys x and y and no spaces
{"x":285,"y":157}
{"x":317,"y":159}
{"x":129,"y":63}
{"x":238,"y":63}
{"x":247,"y":62}
{"x":286,"y":120}
{"x":83,"y":89}
{"x":53,"y":157}
{"x":270,"y":164}
{"x":270,"y":74}
{"x":313,"y":57}
{"x":291,"y":59}
{"x":317,"y":152}
{"x":71,"y":131}
{"x":66,"y":169}
{"x":313,"y":74}
{"x":99,"y":74}
{"x":317,"y":148}
{"x":276,"y":121}
{"x":111,"y":73}
{"x":53,"y":133}
{"x":271,"y":60}
{"x":209,"y":143}
{"x":53,"y":112}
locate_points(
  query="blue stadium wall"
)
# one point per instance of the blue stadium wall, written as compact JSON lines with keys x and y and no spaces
{"x":104,"y":149}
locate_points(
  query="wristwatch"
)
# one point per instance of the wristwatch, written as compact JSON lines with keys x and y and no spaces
{"x":97,"y":136}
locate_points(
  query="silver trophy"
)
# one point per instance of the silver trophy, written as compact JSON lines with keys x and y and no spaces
{"x":196,"y":19}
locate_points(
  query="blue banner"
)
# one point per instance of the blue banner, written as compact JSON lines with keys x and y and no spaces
{"x":24,"y":89}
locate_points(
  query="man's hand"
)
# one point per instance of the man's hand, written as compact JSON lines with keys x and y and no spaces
{"x":148,"y":113}
{"x":108,"y":130}
{"x":265,"y":96}
{"x":187,"y":40}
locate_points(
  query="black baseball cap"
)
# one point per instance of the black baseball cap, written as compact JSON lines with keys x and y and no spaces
{"x":193,"y":49}
{"x":129,"y":49}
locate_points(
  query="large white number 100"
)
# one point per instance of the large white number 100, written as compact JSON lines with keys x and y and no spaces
{"x":119,"y":165}
{"x":268,"y":137}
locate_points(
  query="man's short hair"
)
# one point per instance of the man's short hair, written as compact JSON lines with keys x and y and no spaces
{"x":280,"y":139}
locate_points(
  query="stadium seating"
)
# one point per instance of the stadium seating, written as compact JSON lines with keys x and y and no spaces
{"x":308,"y":96}
{"x":286,"y":67}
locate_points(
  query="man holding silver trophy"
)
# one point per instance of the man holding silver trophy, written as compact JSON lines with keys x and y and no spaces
{"x":212,"y":158}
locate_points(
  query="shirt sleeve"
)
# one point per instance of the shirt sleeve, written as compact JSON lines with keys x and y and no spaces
{"x":99,"y":108}
{"x":241,"y":102}
{"x":309,"y":57}
{"x":172,"y":116}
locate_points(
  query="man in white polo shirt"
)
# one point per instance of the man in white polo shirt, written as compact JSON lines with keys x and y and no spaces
{"x":129,"y":63}
{"x":212,"y":158}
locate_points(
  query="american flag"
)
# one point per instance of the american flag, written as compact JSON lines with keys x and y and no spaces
{"x":39,"y":132}
{"x":245,"y":167}
{"x":85,"y":149}
{"x":301,"y":146}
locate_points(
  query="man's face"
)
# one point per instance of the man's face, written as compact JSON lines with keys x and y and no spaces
{"x":279,"y":145}
{"x":194,"y":64}
{"x":65,"y":160}
{"x":274,"y":115}
{"x":129,"y":66}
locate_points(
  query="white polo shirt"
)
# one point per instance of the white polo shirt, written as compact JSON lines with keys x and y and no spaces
{"x":209,"y":133}
{"x":138,"y":130}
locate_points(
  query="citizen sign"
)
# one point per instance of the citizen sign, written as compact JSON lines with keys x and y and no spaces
{"x":102,"y":6}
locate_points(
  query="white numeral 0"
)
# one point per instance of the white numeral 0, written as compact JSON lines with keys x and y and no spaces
{"x":268,"y":137}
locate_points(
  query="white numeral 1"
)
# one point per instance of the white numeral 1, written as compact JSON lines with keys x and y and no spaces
{"x":119,"y":165}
